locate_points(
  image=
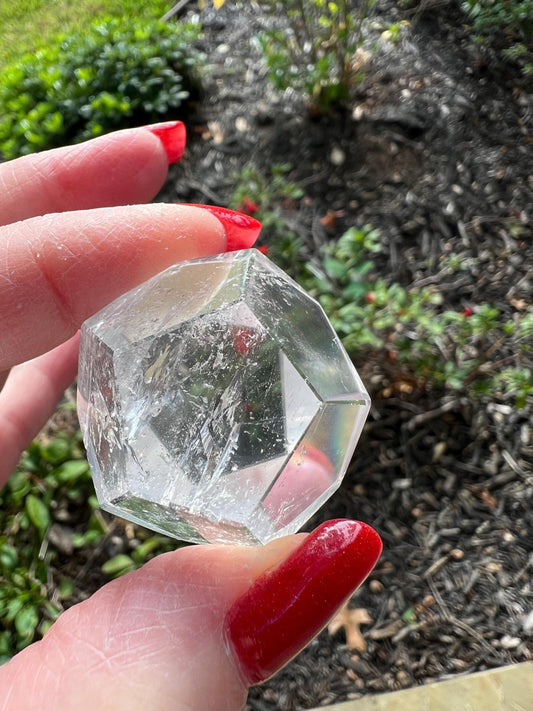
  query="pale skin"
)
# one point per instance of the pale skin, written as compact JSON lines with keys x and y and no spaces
{"x":152,"y":640}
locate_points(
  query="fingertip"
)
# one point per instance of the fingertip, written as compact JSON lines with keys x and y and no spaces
{"x":173,"y":137}
{"x":287,"y":606}
{"x":242,"y":230}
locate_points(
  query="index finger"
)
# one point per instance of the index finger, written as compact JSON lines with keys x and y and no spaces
{"x":122,"y":168}
{"x":58,"y":269}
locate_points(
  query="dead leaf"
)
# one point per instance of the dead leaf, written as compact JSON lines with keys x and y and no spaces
{"x":215,"y":131}
{"x":484,"y":495}
{"x":330,"y":218}
{"x":488,"y":499}
{"x":519,"y":304}
{"x":361,"y":57}
{"x":350,"y":620}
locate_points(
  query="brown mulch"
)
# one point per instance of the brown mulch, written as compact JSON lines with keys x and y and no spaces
{"x":435,"y":151}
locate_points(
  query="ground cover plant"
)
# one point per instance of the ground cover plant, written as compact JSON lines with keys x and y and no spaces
{"x":53,"y":537}
{"x":504,"y":26}
{"x":459,"y":352}
{"x":455,"y":351}
{"x":31,"y":588}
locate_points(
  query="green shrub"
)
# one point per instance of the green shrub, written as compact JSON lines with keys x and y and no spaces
{"x":314,"y":51}
{"x":111,"y":76}
{"x":506,"y":25}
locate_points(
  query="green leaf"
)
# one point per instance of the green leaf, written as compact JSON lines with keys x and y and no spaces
{"x":45,"y":626}
{"x":355,"y":290}
{"x":337,"y":270}
{"x":37,"y":513}
{"x":142,"y":551}
{"x":71,"y":471}
{"x":5,"y":643}
{"x":79,"y":540}
{"x":13,"y":607}
{"x":26,"y":621}
{"x":66,"y":588}
{"x":8,"y":557}
{"x":409,"y":616}
{"x":118,"y":565}
{"x":56,"y":451}
{"x":19,"y":484}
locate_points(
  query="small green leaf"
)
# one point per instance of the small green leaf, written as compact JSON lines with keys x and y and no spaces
{"x":19,"y":485}
{"x":409,"y":616}
{"x":142,"y":551}
{"x":26,"y":621}
{"x":66,"y":588}
{"x":45,"y":626}
{"x":13,"y":607}
{"x":57,"y":451}
{"x":5,"y":643}
{"x":71,"y":471}
{"x":336,"y":269}
{"x":8,"y":557}
{"x":37,"y":513}
{"x":118,"y":565}
{"x":85,"y":539}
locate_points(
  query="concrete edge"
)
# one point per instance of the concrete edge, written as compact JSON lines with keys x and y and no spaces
{"x":503,"y":689}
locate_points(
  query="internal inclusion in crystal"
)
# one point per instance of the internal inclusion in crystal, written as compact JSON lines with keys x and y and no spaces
{"x":217,"y":403}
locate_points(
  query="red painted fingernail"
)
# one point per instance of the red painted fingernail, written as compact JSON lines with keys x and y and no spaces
{"x":287,"y":606}
{"x":173,"y":136}
{"x":241,"y":230}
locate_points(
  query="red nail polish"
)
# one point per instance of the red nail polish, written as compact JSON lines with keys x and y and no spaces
{"x":287,"y":606}
{"x":173,"y":136}
{"x":241,"y":230}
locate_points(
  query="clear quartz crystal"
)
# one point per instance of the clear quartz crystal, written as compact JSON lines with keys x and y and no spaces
{"x":217,"y":403}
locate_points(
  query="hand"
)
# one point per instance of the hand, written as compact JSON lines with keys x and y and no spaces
{"x":62,"y":257}
{"x":194,"y":628}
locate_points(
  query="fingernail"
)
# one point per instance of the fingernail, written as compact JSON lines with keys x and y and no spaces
{"x":241,"y":230}
{"x":287,"y":606}
{"x":173,"y":136}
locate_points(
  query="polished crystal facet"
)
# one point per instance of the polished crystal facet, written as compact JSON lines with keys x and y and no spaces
{"x":216,"y":402}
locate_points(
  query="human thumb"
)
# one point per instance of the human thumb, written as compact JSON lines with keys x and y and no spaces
{"x":192,"y":629}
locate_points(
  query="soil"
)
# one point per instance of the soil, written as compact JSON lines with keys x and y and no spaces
{"x":435,"y":150}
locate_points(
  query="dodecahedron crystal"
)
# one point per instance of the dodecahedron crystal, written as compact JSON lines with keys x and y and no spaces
{"x":217,"y":403}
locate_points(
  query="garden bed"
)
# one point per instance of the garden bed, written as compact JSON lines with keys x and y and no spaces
{"x":434,"y":151}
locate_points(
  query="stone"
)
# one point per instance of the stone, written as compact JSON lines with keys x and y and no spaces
{"x":216,"y":402}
